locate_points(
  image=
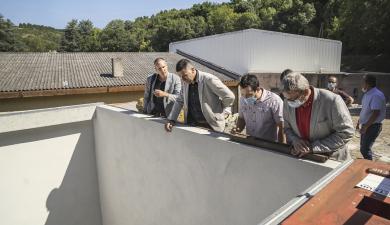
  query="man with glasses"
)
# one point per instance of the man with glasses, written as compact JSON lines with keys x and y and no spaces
{"x":315,"y":120}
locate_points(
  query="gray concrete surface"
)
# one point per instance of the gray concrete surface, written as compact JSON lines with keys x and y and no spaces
{"x":149,"y":176}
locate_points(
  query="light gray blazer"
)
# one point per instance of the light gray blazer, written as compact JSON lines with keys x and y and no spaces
{"x":331,"y":126}
{"x":214,"y":98}
{"x":172,"y":87}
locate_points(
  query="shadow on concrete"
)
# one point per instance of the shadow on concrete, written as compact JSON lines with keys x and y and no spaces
{"x":76,"y":201}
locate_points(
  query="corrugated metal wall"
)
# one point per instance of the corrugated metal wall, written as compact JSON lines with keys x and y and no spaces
{"x":257,"y":51}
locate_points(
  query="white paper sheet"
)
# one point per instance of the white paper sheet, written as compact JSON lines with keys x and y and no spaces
{"x":375,"y":183}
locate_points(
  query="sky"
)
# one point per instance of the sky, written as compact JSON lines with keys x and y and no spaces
{"x":57,"y":13}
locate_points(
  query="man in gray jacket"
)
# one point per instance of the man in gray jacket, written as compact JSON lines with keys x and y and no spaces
{"x":205,"y":99}
{"x":316,"y":120}
{"x":161,"y":90}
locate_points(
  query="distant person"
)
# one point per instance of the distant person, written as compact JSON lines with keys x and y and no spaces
{"x":315,"y":120}
{"x":372,"y":115}
{"x":161,"y":90}
{"x":282,"y":75}
{"x":205,"y":99}
{"x":332,"y":86}
{"x":261,"y":111}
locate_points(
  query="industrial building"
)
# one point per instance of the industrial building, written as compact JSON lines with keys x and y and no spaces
{"x":261,"y":51}
{"x":267,"y":53}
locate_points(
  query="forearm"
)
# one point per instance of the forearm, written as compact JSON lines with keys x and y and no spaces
{"x":171,"y":97}
{"x":281,"y":135}
{"x":240,"y":123}
{"x":228,"y":101}
{"x":350,"y":100}
{"x":175,"y":111}
{"x":145,"y":101}
{"x":290,"y":135}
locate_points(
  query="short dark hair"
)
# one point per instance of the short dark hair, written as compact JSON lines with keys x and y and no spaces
{"x":284,"y":73}
{"x":249,"y":80}
{"x":183,"y":63}
{"x":158,"y":60}
{"x":370,"y":80}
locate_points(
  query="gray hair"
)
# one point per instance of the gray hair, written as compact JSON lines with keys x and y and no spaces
{"x":294,"y":81}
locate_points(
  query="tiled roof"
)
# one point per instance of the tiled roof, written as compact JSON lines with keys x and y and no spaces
{"x":56,"y":71}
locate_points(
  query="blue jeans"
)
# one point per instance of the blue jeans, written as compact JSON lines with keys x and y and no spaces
{"x":367,"y":139}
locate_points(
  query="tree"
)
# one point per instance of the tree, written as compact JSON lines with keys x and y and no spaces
{"x":203,"y":9}
{"x":198,"y":25}
{"x":242,"y":6}
{"x":114,"y":37}
{"x":247,"y":20}
{"x":89,"y":36}
{"x":141,"y":33}
{"x":222,"y":19}
{"x":8,"y":37}
{"x":365,"y":26}
{"x":171,"y":30}
{"x":71,"y":39}
{"x":299,"y":16}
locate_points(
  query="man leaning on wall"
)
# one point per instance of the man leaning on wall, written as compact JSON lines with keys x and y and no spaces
{"x":161,"y":90}
{"x":260,"y":112}
{"x":206,"y":101}
{"x":316,"y":120}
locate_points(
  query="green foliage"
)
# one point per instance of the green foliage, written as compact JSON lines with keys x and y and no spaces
{"x":71,"y":40}
{"x":6,"y":34}
{"x":140,"y":34}
{"x":365,"y":26}
{"x":362,"y":25}
{"x":89,"y":36}
{"x":247,"y":20}
{"x":28,"y":37}
{"x":222,"y":19}
{"x":114,"y":37}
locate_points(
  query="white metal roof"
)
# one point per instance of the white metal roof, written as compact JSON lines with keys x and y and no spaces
{"x":254,"y":50}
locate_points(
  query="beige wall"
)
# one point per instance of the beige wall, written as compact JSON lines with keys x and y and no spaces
{"x":18,"y":104}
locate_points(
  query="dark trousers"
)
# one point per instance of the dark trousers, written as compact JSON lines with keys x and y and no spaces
{"x":367,"y":139}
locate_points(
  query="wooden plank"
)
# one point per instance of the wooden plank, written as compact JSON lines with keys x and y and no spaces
{"x":278,"y":147}
{"x":338,"y":202}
